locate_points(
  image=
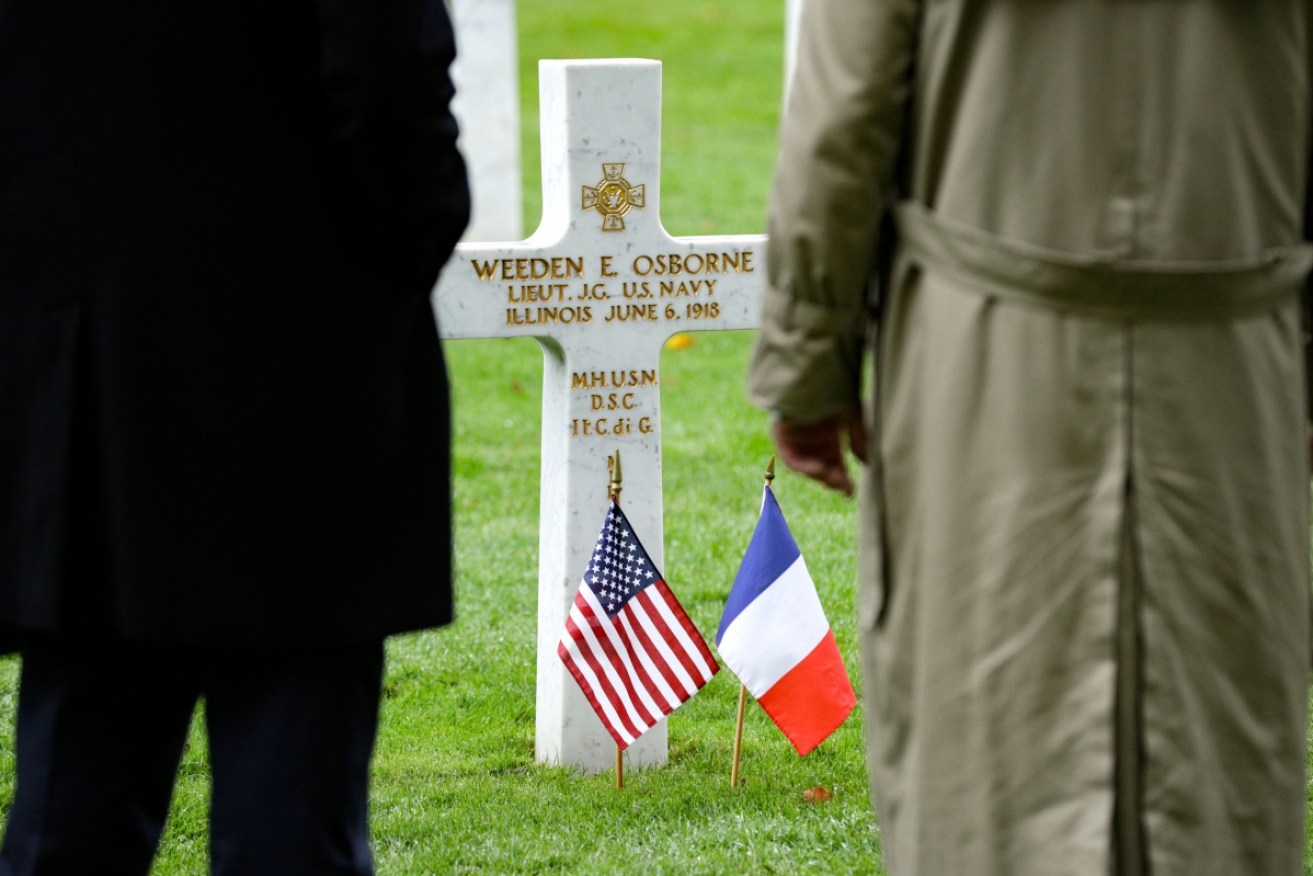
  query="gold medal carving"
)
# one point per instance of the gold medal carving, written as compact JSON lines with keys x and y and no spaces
{"x":613,"y":196}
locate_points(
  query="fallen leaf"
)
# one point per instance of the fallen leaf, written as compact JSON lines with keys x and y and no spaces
{"x":680,"y":341}
{"x":817,"y":795}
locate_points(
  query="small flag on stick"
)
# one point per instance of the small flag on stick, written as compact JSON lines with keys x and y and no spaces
{"x":627,"y":641}
{"x":775,"y":637}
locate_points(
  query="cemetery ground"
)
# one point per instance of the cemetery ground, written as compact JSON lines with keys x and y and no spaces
{"x":455,"y":786}
{"x":456,"y":789}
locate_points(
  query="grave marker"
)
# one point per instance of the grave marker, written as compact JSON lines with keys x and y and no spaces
{"x":792,"y":31}
{"x":601,"y":286}
{"x":792,"y":28}
{"x":487,"y":108}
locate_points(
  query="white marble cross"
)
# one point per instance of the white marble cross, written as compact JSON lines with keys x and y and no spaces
{"x":601,"y":286}
{"x":792,"y":36}
{"x":487,"y":107}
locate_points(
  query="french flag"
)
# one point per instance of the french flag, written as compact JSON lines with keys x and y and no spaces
{"x":775,"y":637}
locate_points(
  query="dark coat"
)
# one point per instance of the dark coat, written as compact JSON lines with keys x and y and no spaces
{"x":223,"y":408}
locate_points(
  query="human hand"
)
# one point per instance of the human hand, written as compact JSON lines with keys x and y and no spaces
{"x":816,"y":449}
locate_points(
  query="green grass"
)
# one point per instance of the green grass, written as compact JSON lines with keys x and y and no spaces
{"x":455,"y":786}
{"x":456,"y":756}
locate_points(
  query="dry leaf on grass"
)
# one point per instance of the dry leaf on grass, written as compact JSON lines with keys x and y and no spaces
{"x":680,"y":341}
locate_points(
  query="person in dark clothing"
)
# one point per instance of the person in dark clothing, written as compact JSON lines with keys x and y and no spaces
{"x":224,"y":428}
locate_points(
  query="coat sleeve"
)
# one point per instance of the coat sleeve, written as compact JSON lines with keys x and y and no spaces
{"x":385,"y":71}
{"x":839,"y":145}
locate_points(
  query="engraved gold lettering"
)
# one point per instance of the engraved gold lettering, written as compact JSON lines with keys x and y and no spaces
{"x":548,"y":315}
{"x":615,"y":379}
{"x":685,"y":288}
{"x":484,"y":270}
{"x":613,"y":401}
{"x":699,"y":310}
{"x":632,"y":313}
{"x":624,"y":425}
{"x":536,"y":292}
{"x":693,"y":264}
{"x":555,"y":268}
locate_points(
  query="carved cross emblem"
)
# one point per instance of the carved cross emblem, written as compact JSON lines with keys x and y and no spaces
{"x":613,"y":196}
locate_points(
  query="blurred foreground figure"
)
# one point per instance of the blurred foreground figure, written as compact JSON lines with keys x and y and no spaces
{"x":223,"y":411}
{"x":1085,"y":595}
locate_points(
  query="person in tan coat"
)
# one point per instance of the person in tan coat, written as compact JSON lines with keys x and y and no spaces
{"x":1073,"y":234}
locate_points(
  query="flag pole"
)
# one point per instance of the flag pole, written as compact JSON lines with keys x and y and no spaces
{"x":743,"y":688}
{"x":738,"y":736}
{"x":613,"y":467}
{"x":615,"y":480}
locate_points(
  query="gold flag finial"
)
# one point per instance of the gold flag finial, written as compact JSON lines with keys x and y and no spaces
{"x":770,"y":471}
{"x":617,"y":479}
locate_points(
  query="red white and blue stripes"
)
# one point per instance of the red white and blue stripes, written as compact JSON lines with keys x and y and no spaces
{"x":627,"y":641}
{"x":774,"y":635}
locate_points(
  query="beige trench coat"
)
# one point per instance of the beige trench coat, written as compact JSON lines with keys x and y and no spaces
{"x":1085,"y":594}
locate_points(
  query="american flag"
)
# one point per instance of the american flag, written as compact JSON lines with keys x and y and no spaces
{"x":627,"y":641}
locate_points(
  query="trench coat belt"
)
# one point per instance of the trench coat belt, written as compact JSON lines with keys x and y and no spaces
{"x":1095,"y":285}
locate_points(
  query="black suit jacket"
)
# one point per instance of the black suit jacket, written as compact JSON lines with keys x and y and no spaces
{"x":223,"y":409}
